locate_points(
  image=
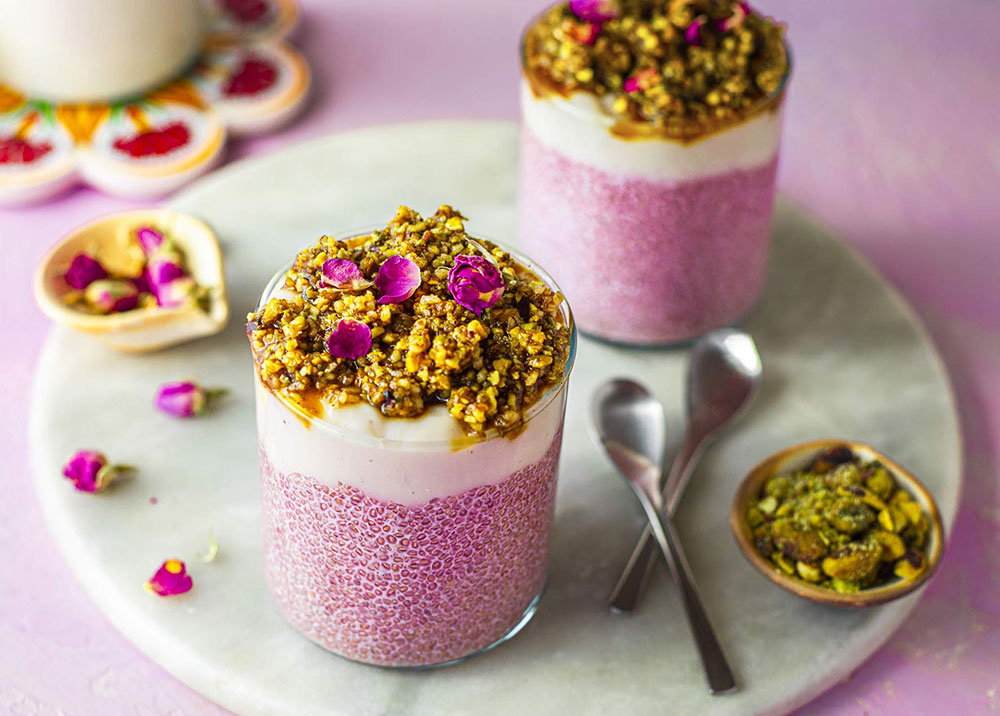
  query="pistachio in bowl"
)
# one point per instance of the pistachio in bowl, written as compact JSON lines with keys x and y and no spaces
{"x":838,"y":523}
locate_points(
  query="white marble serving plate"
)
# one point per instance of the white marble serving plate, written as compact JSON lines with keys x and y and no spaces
{"x":843,"y":355}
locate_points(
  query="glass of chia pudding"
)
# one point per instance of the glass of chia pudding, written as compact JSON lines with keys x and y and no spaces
{"x":411,"y":388}
{"x":649,"y":149}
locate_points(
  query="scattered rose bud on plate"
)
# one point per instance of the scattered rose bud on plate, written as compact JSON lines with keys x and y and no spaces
{"x":170,"y":579}
{"x":89,"y":471}
{"x":185,"y":399}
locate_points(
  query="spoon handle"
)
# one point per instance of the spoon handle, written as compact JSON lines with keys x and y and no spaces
{"x":720,"y":676}
{"x":625,"y":596}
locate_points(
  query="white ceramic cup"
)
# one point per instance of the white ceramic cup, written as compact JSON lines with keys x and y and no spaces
{"x":96,"y":50}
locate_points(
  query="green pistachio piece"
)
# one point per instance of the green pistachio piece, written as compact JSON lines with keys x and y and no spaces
{"x":892,"y":519}
{"x":797,"y":540}
{"x":783,"y":563}
{"x":808,"y":572}
{"x":855,"y":561}
{"x":768,"y":505}
{"x":892,"y":545}
{"x":850,"y":515}
{"x":778,"y":487}
{"x":911,"y":509}
{"x":911,"y":564}
{"x":844,"y":586}
{"x":915,"y":534}
{"x":843,"y":475}
{"x":878,"y":480}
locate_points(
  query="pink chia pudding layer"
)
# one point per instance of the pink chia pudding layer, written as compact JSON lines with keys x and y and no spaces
{"x":647,"y":261}
{"x":407,"y":585}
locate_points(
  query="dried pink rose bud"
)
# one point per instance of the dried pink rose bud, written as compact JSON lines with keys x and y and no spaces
{"x":184,"y":399}
{"x":398,"y":277}
{"x":149,"y":239}
{"x":84,"y":270}
{"x":595,"y":10}
{"x":642,"y":80}
{"x":90,"y":472}
{"x":692,"y":35}
{"x":170,"y":579}
{"x":475,"y":283}
{"x":344,"y":275}
{"x":112,"y":295}
{"x":350,"y":339}
{"x":740,"y":12}
{"x":176,"y":293}
{"x":162,"y":269}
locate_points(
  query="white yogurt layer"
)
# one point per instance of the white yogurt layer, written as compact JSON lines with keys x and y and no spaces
{"x":408,"y":461}
{"x":577,"y":127}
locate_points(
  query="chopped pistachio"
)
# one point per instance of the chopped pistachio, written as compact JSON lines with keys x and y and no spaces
{"x":892,"y":545}
{"x":426,"y":348}
{"x":846,"y":520}
{"x":844,"y":587}
{"x":648,"y":65}
{"x":808,"y":572}
{"x":910,"y":565}
{"x":892,"y":519}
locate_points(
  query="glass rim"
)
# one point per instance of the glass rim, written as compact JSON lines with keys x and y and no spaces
{"x":607,"y":120}
{"x":450,"y":444}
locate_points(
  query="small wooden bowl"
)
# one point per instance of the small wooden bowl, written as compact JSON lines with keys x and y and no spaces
{"x":109,"y":240}
{"x":798,"y":457}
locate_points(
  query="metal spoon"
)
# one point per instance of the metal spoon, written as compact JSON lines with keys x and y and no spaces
{"x":625,"y":415}
{"x":723,"y":370}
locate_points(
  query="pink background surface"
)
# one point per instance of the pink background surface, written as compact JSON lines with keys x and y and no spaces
{"x":892,"y":138}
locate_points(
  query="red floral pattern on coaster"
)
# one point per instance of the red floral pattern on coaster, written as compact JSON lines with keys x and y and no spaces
{"x":247,"y":80}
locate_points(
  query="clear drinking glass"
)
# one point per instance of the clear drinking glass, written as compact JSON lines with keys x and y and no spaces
{"x":655,"y":240}
{"x":403,"y":550}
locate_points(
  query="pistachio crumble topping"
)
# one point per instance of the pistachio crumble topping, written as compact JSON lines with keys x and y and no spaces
{"x":680,"y":67}
{"x":425,"y":348}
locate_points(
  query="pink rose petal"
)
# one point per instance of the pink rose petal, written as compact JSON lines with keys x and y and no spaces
{"x":350,"y":339}
{"x":163,"y":269}
{"x":170,"y":579}
{"x":475,"y":283}
{"x":595,"y":10}
{"x":398,"y":277}
{"x":344,"y":275}
{"x":149,"y":239}
{"x":83,"y":271}
{"x":642,"y":80}
{"x":740,"y":12}
{"x":692,"y":35}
